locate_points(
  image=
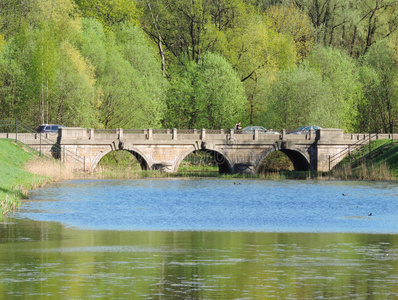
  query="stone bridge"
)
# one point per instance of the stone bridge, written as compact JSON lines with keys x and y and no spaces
{"x":165,"y":149}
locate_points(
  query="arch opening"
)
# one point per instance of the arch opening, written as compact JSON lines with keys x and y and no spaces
{"x":126,"y":160}
{"x":284,"y":160}
{"x":205,"y":161}
{"x":299,"y":161}
{"x":276,"y":161}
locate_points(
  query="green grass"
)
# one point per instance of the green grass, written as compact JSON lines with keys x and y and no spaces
{"x":389,"y":157}
{"x":377,"y":162}
{"x":15,"y":182}
{"x":366,"y":150}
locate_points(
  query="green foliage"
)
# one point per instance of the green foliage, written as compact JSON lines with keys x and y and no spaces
{"x":129,"y":82}
{"x":2,"y":42}
{"x":258,"y":53}
{"x":185,"y":30}
{"x":379,"y":76}
{"x":15,"y":14}
{"x":207,"y":95}
{"x":75,"y":90}
{"x":122,"y":160}
{"x":109,"y":12}
{"x":341,"y":73}
{"x":300,"y":97}
{"x":149,"y":85}
{"x":110,"y":63}
{"x":37,"y":53}
{"x":353,"y":25}
{"x":12,"y":76}
{"x":294,"y":22}
{"x":389,"y":157}
{"x":376,"y":161}
{"x":275,"y":162}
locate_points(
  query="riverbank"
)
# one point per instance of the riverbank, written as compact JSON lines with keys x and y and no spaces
{"x":15,"y":181}
{"x":377,"y":161}
{"x":22,"y":170}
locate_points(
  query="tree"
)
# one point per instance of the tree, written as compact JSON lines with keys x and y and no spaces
{"x":74,"y":97}
{"x":136,"y":49}
{"x":207,"y":95}
{"x":109,"y":12}
{"x":258,"y":53}
{"x":129,"y":82}
{"x":340,"y":72}
{"x":299,"y":97}
{"x":379,"y":76}
{"x":2,"y":42}
{"x":219,"y":94}
{"x":40,"y":43}
{"x":294,"y":22}
{"x":184,"y":30}
{"x":12,"y":77}
{"x":354,"y":25}
{"x":181,"y":102}
{"x":15,"y":14}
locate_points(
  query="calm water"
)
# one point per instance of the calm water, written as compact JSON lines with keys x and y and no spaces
{"x":203,"y":239}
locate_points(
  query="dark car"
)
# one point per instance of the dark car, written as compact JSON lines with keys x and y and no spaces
{"x":305,"y":129}
{"x":261,"y":130}
{"x":48,"y":128}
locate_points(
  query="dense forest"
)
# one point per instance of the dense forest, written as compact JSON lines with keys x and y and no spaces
{"x":200,"y":63}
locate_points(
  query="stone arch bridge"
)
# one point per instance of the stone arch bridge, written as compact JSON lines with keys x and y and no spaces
{"x":165,"y":149}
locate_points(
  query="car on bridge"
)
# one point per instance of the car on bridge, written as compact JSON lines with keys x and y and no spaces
{"x":49,"y":128}
{"x":305,"y":129}
{"x":261,"y":130}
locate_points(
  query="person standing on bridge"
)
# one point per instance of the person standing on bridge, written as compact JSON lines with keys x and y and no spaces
{"x":237,"y":127}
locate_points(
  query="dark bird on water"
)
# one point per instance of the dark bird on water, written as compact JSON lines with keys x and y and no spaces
{"x":370,"y":214}
{"x":345,"y":194}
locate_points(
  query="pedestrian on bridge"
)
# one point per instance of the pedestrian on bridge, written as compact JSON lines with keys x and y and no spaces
{"x":237,"y":127}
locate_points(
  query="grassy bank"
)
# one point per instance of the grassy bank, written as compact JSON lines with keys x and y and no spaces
{"x":377,"y":162}
{"x":15,"y":181}
{"x":21,"y":170}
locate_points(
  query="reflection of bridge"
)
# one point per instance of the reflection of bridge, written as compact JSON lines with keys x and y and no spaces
{"x":165,"y":149}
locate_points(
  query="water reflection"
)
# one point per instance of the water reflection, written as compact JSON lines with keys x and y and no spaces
{"x":299,"y":248}
{"x":47,"y":260}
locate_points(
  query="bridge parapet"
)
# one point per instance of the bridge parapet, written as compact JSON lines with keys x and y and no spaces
{"x":365,"y":136}
{"x":74,"y":133}
{"x":329,"y":135}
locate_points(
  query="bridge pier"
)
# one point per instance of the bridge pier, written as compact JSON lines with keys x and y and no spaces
{"x":244,"y":168}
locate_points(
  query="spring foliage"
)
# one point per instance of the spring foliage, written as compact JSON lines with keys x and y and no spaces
{"x":186,"y":64}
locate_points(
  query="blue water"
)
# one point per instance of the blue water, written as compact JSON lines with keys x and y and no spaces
{"x":218,"y":205}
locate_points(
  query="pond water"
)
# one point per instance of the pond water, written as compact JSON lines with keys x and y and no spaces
{"x":203,"y":239}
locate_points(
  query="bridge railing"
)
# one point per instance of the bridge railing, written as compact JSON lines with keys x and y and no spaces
{"x":135,"y":131}
{"x":151,"y":133}
{"x":104,"y":131}
{"x":171,"y":134}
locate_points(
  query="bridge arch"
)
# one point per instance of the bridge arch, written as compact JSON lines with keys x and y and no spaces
{"x":300,"y":159}
{"x":140,"y":157}
{"x":224,"y":165}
